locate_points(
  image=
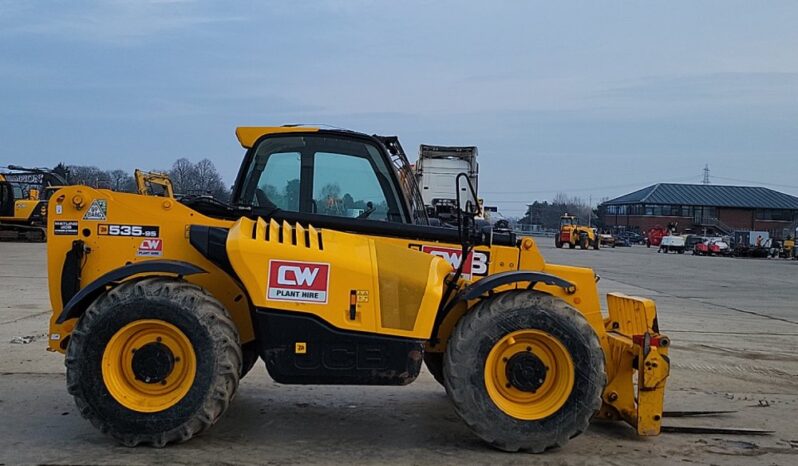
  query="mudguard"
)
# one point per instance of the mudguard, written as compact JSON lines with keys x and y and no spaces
{"x":80,"y":301}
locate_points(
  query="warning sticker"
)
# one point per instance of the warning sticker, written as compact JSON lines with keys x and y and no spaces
{"x":298,"y":281}
{"x":97,"y":210}
{"x":152,"y":247}
{"x":65,"y":227}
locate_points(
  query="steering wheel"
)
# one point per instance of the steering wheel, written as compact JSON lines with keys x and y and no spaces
{"x":369,"y":210}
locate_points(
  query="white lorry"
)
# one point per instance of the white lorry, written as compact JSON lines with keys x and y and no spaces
{"x":436,"y":173}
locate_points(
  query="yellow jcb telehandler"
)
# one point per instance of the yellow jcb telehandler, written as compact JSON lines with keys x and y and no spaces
{"x":573,"y":234}
{"x":161,"y":304}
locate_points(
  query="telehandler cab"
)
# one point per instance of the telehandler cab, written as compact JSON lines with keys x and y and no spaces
{"x":323,"y":266}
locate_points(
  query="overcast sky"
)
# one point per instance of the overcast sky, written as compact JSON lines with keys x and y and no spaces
{"x":592,"y":98}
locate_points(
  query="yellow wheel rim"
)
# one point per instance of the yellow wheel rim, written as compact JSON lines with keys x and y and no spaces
{"x":529,"y":374}
{"x":162,"y":373}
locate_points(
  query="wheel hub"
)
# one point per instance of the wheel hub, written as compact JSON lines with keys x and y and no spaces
{"x":525,"y":372}
{"x":153,"y":362}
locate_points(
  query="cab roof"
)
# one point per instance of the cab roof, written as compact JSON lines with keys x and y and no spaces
{"x":248,"y":135}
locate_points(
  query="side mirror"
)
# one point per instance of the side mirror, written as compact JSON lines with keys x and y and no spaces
{"x":470,"y":203}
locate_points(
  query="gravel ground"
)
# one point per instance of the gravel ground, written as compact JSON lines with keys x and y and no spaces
{"x":733,"y":323}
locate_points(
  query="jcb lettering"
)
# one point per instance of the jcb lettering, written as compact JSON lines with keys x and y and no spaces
{"x":476,"y":263}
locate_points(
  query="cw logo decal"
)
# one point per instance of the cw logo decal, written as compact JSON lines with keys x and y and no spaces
{"x":298,"y":281}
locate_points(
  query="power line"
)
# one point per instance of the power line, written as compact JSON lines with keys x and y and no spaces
{"x":755,"y":182}
{"x":595,"y":188}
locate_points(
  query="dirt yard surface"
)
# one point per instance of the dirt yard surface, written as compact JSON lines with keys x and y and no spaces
{"x":733,"y":322}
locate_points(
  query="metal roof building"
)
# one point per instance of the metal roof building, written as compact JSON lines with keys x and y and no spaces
{"x":704,"y":207}
{"x":746,"y":197}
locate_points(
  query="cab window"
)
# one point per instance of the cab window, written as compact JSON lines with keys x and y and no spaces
{"x":322,"y":175}
{"x":279,"y":183}
{"x":346,"y":186}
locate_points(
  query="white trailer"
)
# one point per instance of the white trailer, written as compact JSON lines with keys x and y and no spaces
{"x":437,"y":169}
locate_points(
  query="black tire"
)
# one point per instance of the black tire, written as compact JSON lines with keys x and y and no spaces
{"x":596,"y":245}
{"x":584,"y":242}
{"x":557,"y":242}
{"x":471,"y":342}
{"x":249,"y":353}
{"x":434,"y":363}
{"x":203,"y":321}
{"x":571,"y":244}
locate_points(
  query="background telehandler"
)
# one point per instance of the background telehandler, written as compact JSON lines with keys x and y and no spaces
{"x":573,"y":234}
{"x":324,"y":266}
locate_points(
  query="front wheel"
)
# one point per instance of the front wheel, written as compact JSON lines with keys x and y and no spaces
{"x":154,"y":361}
{"x":525,"y":371}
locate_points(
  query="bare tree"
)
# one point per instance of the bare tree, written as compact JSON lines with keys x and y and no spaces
{"x":121,"y":181}
{"x":89,"y":176}
{"x":200,"y":178}
{"x":183,"y":175}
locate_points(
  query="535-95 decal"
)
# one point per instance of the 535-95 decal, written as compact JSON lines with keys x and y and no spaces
{"x":128,"y":230}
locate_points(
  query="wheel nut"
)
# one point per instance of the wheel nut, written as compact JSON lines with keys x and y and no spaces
{"x":613,"y":396}
{"x":159,"y":339}
{"x":529,"y":348}
{"x":163,"y":382}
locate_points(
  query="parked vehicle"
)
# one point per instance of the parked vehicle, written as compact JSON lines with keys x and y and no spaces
{"x":672,"y":243}
{"x":631,"y":237}
{"x":712,"y":247}
{"x":654,"y":236}
{"x":691,"y":241}
{"x":606,"y":239}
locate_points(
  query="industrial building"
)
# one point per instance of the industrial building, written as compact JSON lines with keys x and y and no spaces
{"x":703,"y":208}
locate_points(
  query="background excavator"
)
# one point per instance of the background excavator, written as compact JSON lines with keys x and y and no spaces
{"x":24,"y":193}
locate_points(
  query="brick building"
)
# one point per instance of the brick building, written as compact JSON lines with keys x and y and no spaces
{"x":703,"y":208}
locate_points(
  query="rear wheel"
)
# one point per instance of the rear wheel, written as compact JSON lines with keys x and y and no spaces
{"x":154,"y":361}
{"x":596,"y":243}
{"x":525,"y":371}
{"x":571,"y":244}
{"x":584,"y":241}
{"x":557,"y":241}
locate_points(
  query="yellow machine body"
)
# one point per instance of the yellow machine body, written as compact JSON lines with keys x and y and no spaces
{"x":374,"y":284}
